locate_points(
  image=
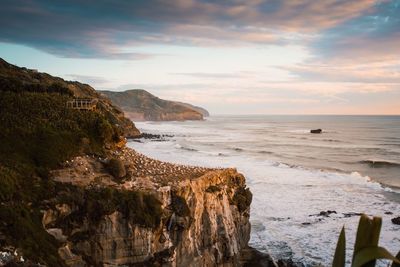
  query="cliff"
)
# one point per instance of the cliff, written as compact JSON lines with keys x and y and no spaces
{"x":72,"y":194}
{"x":184,"y":216}
{"x":140,"y":105}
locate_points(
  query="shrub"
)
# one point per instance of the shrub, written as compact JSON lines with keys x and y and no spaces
{"x":24,"y":229}
{"x":213,"y":189}
{"x":37,"y":133}
{"x":7,"y":183}
{"x":242,"y":199}
{"x":116,"y":168}
{"x":141,"y":208}
{"x":138,"y":207}
{"x":179,"y":205}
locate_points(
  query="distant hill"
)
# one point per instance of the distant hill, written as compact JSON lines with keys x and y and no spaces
{"x":203,"y":111}
{"x":140,"y":105}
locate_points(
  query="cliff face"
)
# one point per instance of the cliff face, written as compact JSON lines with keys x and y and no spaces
{"x":204,"y":219}
{"x":140,"y":105}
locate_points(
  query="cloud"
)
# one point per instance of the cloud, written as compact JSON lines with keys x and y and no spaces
{"x":382,"y":72}
{"x":104,"y":29}
{"x":210,"y":75}
{"x":374,"y":37}
{"x":92,"y":80}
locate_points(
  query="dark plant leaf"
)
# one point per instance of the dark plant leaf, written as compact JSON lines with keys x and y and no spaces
{"x":370,"y":254}
{"x":339,"y":260}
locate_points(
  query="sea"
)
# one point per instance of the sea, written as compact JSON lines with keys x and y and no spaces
{"x":352,"y":167}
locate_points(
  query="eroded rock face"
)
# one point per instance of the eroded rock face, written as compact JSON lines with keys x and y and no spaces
{"x":201,"y":225}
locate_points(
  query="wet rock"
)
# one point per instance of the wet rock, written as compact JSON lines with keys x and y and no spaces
{"x":251,"y":257}
{"x":327,"y":213}
{"x":396,"y":220}
{"x":351,"y":214}
{"x":324,"y":213}
{"x":288,"y":263}
{"x":152,"y":137}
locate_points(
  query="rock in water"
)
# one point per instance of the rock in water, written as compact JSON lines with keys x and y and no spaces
{"x":396,"y":220}
{"x":316,"y":131}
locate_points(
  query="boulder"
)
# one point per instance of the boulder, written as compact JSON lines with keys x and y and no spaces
{"x":316,"y":131}
{"x":396,"y":220}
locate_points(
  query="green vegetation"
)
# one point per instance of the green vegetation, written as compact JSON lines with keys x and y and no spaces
{"x":93,"y":204}
{"x":37,"y":134}
{"x":366,"y":249}
{"x":40,"y":132}
{"x":213,"y":189}
{"x":242,"y":199}
{"x":179,"y":205}
{"x":23,"y":228}
{"x":116,"y":168}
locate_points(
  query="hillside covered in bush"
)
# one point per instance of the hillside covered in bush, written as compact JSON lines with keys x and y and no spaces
{"x":37,"y":134}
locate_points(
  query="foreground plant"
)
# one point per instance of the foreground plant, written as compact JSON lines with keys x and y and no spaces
{"x":366,"y":249}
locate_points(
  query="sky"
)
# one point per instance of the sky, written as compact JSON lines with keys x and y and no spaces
{"x":229,"y":56}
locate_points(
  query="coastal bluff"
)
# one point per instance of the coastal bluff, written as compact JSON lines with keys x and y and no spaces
{"x":72,"y":194}
{"x":140,"y":105}
{"x":202,"y":215}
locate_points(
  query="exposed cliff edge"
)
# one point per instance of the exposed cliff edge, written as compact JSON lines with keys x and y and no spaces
{"x":140,"y":105}
{"x":183,"y":216}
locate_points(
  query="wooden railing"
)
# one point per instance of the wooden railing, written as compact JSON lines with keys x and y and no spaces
{"x":83,"y":103}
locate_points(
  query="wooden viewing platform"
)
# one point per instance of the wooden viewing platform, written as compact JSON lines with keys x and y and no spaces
{"x":83,"y":103}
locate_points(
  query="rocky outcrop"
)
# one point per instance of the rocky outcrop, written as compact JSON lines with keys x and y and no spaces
{"x":140,"y":105}
{"x":204,"y":216}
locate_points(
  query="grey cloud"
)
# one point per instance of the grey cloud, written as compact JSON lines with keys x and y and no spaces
{"x":208,"y":75}
{"x":94,"y":80}
{"x":98,"y":29}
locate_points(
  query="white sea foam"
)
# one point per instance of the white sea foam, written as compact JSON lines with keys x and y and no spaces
{"x":287,"y":199}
